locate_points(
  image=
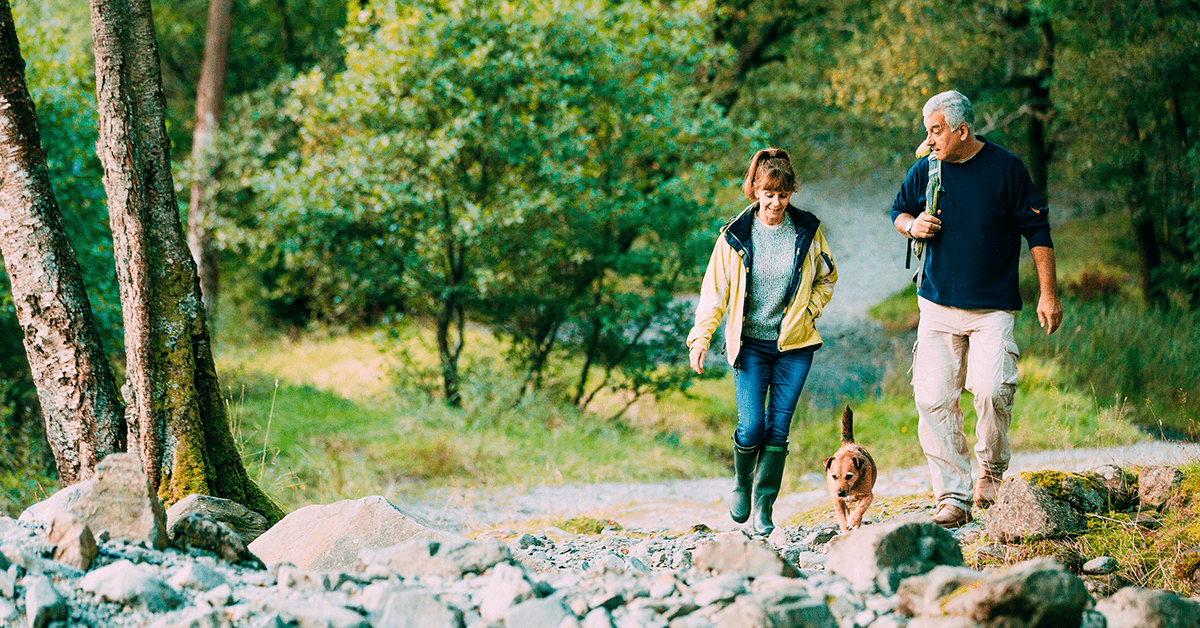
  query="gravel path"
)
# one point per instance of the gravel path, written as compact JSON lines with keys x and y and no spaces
{"x":678,"y":505}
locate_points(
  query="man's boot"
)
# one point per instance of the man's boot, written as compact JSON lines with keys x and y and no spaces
{"x":766,"y":485}
{"x":744,"y":461}
{"x":987,"y":488}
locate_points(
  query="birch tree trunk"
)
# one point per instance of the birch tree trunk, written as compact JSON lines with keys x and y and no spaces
{"x":209,"y":94}
{"x":76,"y":388}
{"x":177,"y":421}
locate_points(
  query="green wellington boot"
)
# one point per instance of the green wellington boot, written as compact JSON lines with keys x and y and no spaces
{"x":744,"y":461}
{"x":766,"y":485}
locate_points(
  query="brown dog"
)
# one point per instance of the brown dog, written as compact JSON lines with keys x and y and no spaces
{"x":850,"y":477}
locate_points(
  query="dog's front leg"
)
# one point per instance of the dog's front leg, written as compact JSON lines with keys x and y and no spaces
{"x":860,"y":510}
{"x":840,"y":510}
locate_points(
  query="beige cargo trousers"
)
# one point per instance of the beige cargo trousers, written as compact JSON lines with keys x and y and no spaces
{"x":978,"y":349}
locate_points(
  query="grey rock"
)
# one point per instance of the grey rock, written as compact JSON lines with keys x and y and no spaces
{"x":316,"y":614}
{"x":548,"y":612}
{"x":886,"y":553}
{"x":218,"y":597}
{"x":921,"y":595}
{"x":8,"y":585}
{"x":418,"y":609}
{"x":1026,"y":511}
{"x":734,"y":552}
{"x":198,"y":576}
{"x":1040,"y":593}
{"x":527,"y":540}
{"x":1100,"y":566}
{"x":194,"y":618}
{"x":126,"y":583}
{"x":43,"y":603}
{"x":598,"y":618}
{"x":1092,"y":619}
{"x":1120,"y":484}
{"x":73,"y":541}
{"x":200,"y":531}
{"x":1157,"y":484}
{"x":8,"y":613}
{"x":943,"y":622}
{"x":249,"y":525}
{"x":1135,"y":607}
{"x":504,"y":587}
{"x":775,"y":610}
{"x":331,"y":536}
{"x":450,"y":557}
{"x":118,"y":501}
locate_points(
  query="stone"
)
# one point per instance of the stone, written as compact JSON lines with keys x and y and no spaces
{"x":1025,"y":510}
{"x":1120,"y":484}
{"x":200,"y":531}
{"x":126,"y":583}
{"x":451,"y":557}
{"x":1101,"y":565}
{"x":1157,"y":484}
{"x":248,"y":525}
{"x":418,"y":609}
{"x":505,"y":587}
{"x":775,"y":610}
{"x":316,"y":614}
{"x":1135,"y":607}
{"x":884,"y":554}
{"x":734,"y":552}
{"x":118,"y":501}
{"x":921,"y":595}
{"x":196,"y":576}
{"x":1038,"y":593}
{"x":331,"y":536}
{"x":194,"y":618}
{"x":548,"y":612}
{"x":73,"y":541}
{"x":43,"y":603}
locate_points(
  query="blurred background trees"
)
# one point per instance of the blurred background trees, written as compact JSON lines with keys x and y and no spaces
{"x":553,"y":171}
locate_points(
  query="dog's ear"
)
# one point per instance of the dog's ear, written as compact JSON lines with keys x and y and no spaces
{"x":828,"y":461}
{"x":859,"y":462}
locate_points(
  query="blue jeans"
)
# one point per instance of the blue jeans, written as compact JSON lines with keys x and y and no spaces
{"x":761,"y":369}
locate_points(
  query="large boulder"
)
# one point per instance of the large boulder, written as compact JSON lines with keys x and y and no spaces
{"x":734,"y":552}
{"x":889,"y":552}
{"x":1157,"y":484}
{"x":1135,"y":607}
{"x":1032,"y":506}
{"x":1038,"y":593}
{"x":248,"y":524}
{"x":118,"y":501}
{"x":331,"y":536}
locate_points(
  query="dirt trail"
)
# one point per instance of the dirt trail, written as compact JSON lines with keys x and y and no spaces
{"x":678,"y":505}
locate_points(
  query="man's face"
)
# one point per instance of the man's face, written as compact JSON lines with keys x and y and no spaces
{"x":947,"y":144}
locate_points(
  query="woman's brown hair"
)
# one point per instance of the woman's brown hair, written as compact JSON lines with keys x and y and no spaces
{"x":770,"y":169}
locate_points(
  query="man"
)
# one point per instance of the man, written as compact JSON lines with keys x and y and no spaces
{"x":968,"y":298}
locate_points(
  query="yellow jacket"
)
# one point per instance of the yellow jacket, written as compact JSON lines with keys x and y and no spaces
{"x":724,"y":286}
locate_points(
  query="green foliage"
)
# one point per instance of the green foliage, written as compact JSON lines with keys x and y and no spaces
{"x":540,"y":170}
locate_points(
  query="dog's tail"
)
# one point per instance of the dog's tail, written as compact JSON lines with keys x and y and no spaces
{"x":848,"y":426}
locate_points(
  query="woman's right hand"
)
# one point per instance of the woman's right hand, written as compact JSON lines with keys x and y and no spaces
{"x":697,"y":355}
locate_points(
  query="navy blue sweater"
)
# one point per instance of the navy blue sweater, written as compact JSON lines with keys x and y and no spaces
{"x":988,"y":204}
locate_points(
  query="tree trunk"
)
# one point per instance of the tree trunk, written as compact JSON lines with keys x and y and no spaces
{"x":209,"y":95}
{"x":177,"y":421}
{"x":75,"y":383}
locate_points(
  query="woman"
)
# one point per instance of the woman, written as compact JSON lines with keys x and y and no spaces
{"x":771,"y":269}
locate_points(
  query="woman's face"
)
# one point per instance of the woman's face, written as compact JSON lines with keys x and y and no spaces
{"x":771,"y":205}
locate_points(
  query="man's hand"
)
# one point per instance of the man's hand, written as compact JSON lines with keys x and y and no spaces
{"x":1049,"y":312}
{"x":1049,"y":308}
{"x":697,"y":355}
{"x":923,"y":226}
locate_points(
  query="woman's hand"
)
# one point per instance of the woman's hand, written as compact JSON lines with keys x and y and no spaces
{"x":697,"y":355}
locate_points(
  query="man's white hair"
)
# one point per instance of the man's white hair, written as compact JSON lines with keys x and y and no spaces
{"x":954,"y":106}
